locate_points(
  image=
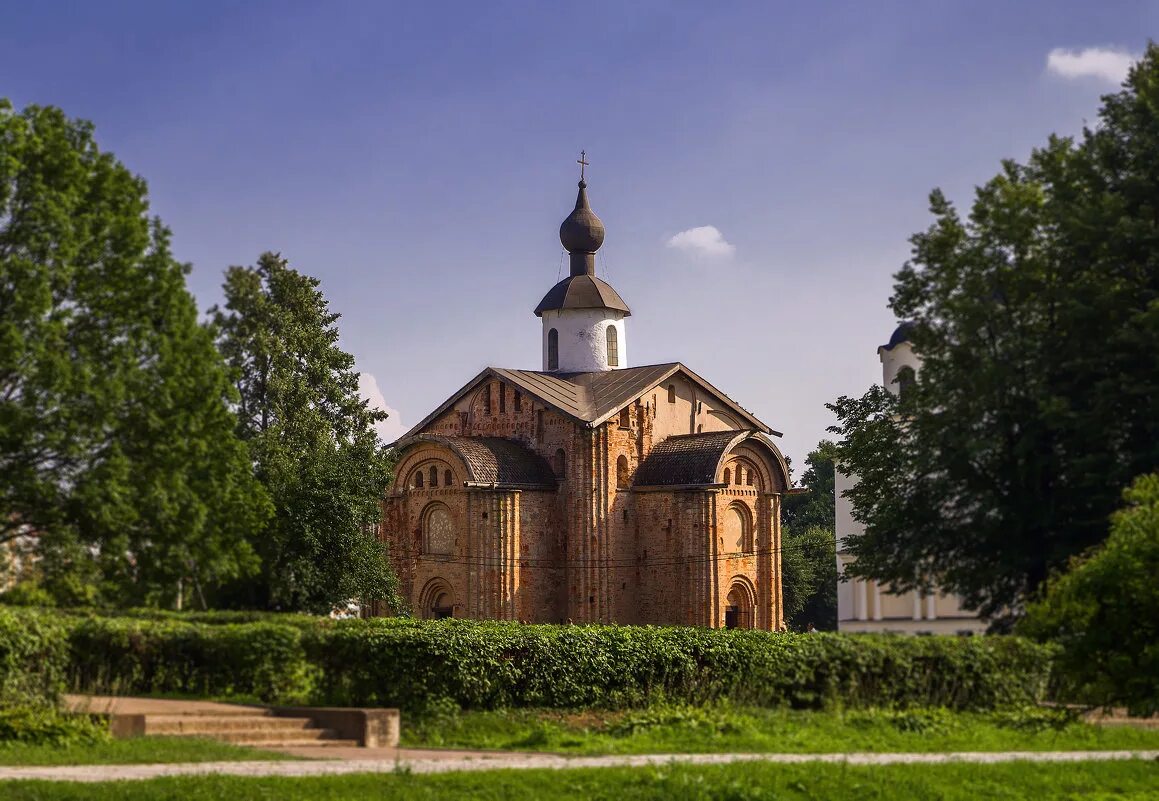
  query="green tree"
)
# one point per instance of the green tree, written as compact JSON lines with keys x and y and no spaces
{"x":809,"y":561}
{"x":1037,"y":319}
{"x":116,"y":440}
{"x":312,"y":440}
{"x":1104,"y":611}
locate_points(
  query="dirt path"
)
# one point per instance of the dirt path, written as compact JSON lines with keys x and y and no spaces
{"x":414,"y":763}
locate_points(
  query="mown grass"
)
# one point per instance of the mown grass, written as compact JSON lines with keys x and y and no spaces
{"x":137,"y":750}
{"x":1090,"y":781}
{"x":726,"y":729}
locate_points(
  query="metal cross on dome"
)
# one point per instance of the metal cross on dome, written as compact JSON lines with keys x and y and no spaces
{"x":582,"y":162}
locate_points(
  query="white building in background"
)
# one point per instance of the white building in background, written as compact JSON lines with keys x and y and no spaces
{"x":867,"y":605}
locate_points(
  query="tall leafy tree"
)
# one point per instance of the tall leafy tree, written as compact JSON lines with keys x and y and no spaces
{"x":312,"y":440}
{"x":1037,"y":318}
{"x":809,"y":561}
{"x":117,"y":446}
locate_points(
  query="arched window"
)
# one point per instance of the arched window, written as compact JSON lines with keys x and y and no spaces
{"x":418,"y":479}
{"x":434,"y":476}
{"x":553,"y":350}
{"x":749,"y":477}
{"x":625,"y":417}
{"x":905,"y":381}
{"x":623,"y":480}
{"x":613,"y":346}
{"x":739,"y":474}
{"x":487,"y":399}
{"x":502,"y":399}
{"x":738,"y":533}
{"x":448,"y":478}
{"x":672,"y":393}
{"x":438,"y":530}
{"x":700,"y":428}
{"x":727,"y":476}
{"x":560,"y":464}
{"x":518,"y":401}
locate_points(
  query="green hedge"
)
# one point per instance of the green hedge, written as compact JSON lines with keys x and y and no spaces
{"x":33,"y":657}
{"x":414,"y":664}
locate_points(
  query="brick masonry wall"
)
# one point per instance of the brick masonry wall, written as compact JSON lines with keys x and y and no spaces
{"x":594,"y":550}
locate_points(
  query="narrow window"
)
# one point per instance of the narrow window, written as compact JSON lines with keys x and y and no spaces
{"x":553,"y":350}
{"x":749,"y":478}
{"x":487,"y":399}
{"x":672,"y":393}
{"x":560,"y":464}
{"x":613,"y":347}
{"x":727,"y":476}
{"x":434,"y":477}
{"x":518,"y":401}
{"x":700,"y":429}
{"x":419,"y":479}
{"x":905,"y":381}
{"x":625,"y":417}
{"x":623,"y":481}
{"x":448,"y":479}
{"x":502,"y":399}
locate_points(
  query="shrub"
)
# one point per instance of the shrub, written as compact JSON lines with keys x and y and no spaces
{"x":33,"y":657}
{"x":263,"y":661}
{"x":45,"y":725}
{"x":1104,"y":612}
{"x":491,"y":665}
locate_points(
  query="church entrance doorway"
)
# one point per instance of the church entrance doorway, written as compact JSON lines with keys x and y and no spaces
{"x":441,"y":608}
{"x":436,"y":601}
{"x":738,"y":610}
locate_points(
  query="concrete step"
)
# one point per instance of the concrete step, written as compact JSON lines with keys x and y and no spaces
{"x":210,"y":724}
{"x":299,"y":736}
{"x":302,"y":744}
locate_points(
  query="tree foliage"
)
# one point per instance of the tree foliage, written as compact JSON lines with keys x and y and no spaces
{"x":1037,"y":319}
{"x":1104,"y":611}
{"x":117,"y":447}
{"x":311,"y":438}
{"x":809,"y":560}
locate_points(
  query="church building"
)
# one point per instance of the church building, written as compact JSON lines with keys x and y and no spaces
{"x":589,"y":490}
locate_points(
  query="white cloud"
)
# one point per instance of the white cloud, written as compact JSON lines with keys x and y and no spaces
{"x":391,"y":428}
{"x":705,"y":240}
{"x":1108,"y":64}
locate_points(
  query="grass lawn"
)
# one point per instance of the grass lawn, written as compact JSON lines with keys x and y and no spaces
{"x":138,"y":750}
{"x":722,"y":729}
{"x":1090,"y":781}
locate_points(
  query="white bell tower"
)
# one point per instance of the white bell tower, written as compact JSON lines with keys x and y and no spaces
{"x":583,"y":317}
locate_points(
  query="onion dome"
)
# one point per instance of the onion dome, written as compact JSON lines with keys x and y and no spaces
{"x":582,"y":231}
{"x":900,"y":334}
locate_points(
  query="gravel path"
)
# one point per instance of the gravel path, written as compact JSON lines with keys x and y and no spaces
{"x":104,"y":773}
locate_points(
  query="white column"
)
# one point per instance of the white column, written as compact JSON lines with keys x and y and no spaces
{"x":862,"y":600}
{"x":931,"y":607}
{"x":876,"y":601}
{"x":917,"y":605}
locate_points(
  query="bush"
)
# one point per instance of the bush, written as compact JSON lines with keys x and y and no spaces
{"x":262,"y":661}
{"x":1104,"y":612}
{"x":33,"y":657}
{"x":409,"y":664}
{"x":421,"y":666}
{"x":45,"y":725}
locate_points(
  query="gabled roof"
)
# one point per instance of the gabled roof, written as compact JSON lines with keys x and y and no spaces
{"x":494,"y":461}
{"x":592,"y":398}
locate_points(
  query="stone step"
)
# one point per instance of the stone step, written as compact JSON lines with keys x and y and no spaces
{"x":302,"y":744}
{"x":209,"y":724}
{"x":299,"y":736}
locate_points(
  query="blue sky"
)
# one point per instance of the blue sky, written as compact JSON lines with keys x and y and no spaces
{"x":418,"y":158}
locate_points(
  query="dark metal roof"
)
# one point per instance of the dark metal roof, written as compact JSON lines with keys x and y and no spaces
{"x":582,"y":231}
{"x":494,"y":461}
{"x":582,"y":292}
{"x":687,"y":459}
{"x":691,"y":460}
{"x":592,"y":398}
{"x":900,"y":334}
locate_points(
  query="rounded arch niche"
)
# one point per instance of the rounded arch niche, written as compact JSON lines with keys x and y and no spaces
{"x":438,"y":530}
{"x":739,"y":605}
{"x":437,"y":600}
